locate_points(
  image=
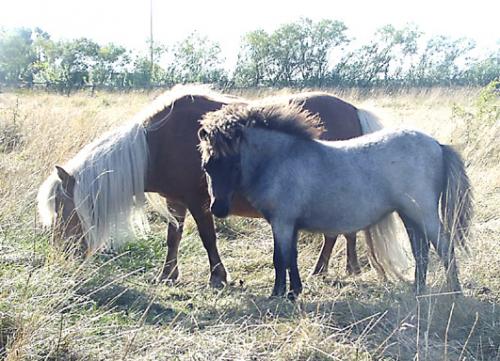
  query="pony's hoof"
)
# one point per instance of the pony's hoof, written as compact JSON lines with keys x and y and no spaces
{"x":320,"y":270}
{"x":168,"y":276}
{"x":456,"y":291}
{"x":353,"y":271}
{"x":160,"y":280}
{"x":278,"y":292}
{"x":218,"y":282}
{"x":292,"y":296}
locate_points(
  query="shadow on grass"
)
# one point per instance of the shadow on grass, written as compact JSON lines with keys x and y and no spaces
{"x":393,"y":324}
{"x":129,"y":300}
{"x":386,"y":321}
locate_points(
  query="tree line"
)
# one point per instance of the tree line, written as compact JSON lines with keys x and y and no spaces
{"x":304,"y":53}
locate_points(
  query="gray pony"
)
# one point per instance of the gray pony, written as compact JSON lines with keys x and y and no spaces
{"x":270,"y":154}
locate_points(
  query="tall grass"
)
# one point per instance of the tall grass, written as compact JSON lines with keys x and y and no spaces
{"x":57,"y":308}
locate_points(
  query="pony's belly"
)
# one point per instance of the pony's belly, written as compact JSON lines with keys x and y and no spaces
{"x":334,"y":222}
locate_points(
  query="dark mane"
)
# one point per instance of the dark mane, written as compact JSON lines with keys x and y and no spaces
{"x":221,"y":130}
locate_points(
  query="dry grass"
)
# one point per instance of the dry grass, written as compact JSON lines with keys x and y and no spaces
{"x":56,"y":308}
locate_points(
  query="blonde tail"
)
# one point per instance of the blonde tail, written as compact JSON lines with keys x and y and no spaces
{"x":369,"y":121}
{"x":390,"y":247}
{"x":387,"y":239}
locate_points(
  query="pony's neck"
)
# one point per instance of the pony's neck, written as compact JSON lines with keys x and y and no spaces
{"x":267,"y":142}
{"x":260,"y":150}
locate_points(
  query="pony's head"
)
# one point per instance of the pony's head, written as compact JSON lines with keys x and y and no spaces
{"x":56,"y":204}
{"x":97,"y":199}
{"x":223,"y":176}
{"x":222,"y":132}
{"x":220,"y":136}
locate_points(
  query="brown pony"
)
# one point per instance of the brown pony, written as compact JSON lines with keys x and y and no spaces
{"x":101,"y":190}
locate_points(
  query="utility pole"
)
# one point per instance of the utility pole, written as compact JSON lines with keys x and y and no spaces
{"x":151,"y":41}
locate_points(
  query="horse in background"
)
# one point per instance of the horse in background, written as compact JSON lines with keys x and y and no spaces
{"x":98,"y":196}
{"x":273,"y":157}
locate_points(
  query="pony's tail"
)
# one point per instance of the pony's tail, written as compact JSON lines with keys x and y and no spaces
{"x":386,"y":242}
{"x":159,"y":204}
{"x":368,"y":121}
{"x":456,"y":198}
{"x":386,"y":239}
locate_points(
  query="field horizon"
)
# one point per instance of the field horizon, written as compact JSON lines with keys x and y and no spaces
{"x":55,"y":307}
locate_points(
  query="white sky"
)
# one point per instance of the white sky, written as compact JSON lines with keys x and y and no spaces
{"x":126,"y":22}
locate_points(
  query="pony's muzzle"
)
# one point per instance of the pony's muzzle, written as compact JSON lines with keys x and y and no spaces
{"x":219,"y":208}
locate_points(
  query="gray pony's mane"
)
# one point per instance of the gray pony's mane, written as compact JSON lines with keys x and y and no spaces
{"x":221,"y":131}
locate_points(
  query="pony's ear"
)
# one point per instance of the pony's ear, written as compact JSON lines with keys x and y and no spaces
{"x":202,"y":134}
{"x":68,"y":181}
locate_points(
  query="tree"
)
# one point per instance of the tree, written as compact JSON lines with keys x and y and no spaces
{"x":438,"y":63}
{"x":295,"y":54}
{"x":67,"y":63}
{"x":383,"y":58}
{"x":109,"y":66}
{"x":318,"y":40}
{"x":484,"y":71}
{"x":254,"y":59}
{"x":16,"y":57}
{"x":285,"y":44}
{"x":196,"y":59}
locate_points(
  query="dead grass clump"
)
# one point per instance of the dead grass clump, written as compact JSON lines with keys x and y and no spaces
{"x":7,"y":330}
{"x":11,"y":137}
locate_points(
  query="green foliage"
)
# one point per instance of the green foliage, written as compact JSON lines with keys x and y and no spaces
{"x":294,"y":54}
{"x":304,"y":53}
{"x":253,"y":59}
{"x":487,"y":103}
{"x":110,"y":64}
{"x":438,"y":64}
{"x":196,"y":59}
{"x":17,"y":56}
{"x":481,"y":131}
{"x":382,"y":59}
{"x":484,"y":71}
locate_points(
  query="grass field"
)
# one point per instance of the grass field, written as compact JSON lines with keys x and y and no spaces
{"x":56,"y":308}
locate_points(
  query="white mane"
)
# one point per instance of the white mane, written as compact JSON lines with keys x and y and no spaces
{"x":109,"y":190}
{"x":110,"y":173}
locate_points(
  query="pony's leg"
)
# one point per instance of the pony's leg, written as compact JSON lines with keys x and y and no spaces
{"x":420,"y":249}
{"x":446,"y":251}
{"x":324,"y":256}
{"x":352,"y":265}
{"x":295,"y":283}
{"x":206,"y":229}
{"x":279,"y":272}
{"x":284,"y":252}
{"x":170,"y":270}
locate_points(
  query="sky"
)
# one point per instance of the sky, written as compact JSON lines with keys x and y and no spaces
{"x":126,"y":22}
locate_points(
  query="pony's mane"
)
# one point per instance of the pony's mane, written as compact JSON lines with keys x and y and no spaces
{"x":110,"y":174}
{"x":222,"y":130}
{"x":109,"y":189}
